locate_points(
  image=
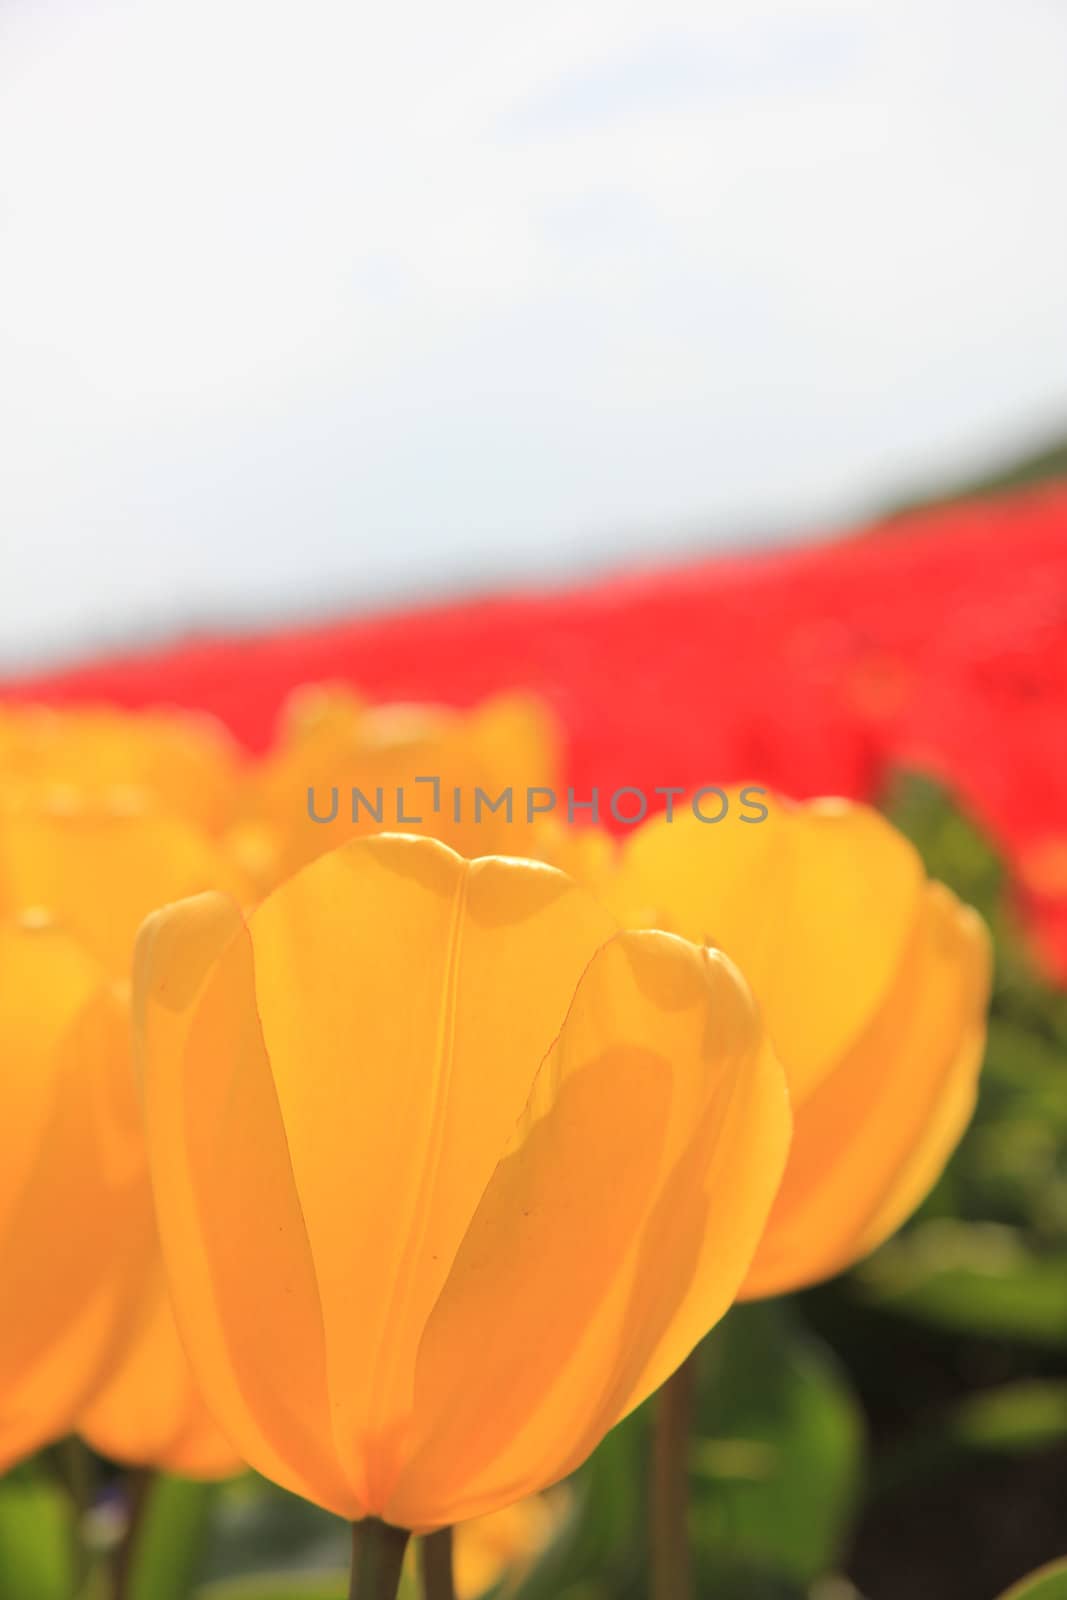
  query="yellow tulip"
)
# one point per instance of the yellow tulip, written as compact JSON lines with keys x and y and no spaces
{"x":57,"y":1205}
{"x":144,"y":1408}
{"x":450,"y":1175}
{"x":504,"y":1545}
{"x":93,"y":1335}
{"x":147,"y":1409}
{"x":78,"y":1250}
{"x":588,"y":854}
{"x":331,"y":743}
{"x":173,"y":761}
{"x":494,"y":1552}
{"x":873,"y":982}
{"x":79,"y":870}
{"x":98,"y":867}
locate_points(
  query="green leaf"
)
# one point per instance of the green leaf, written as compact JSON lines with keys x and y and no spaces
{"x":982,"y":1279}
{"x":599,"y":1551}
{"x":1048,"y":1584}
{"x":1014,"y":1419}
{"x":778,"y":1456}
{"x":36,"y":1537}
{"x":952,"y":847}
{"x":169,"y":1548}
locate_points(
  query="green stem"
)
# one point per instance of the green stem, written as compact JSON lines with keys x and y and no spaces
{"x":377,"y":1559}
{"x":77,"y":1471}
{"x":435,"y":1566}
{"x":671,"y":1553}
{"x":139,"y":1482}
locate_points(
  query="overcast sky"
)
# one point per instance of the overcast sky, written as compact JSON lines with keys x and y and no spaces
{"x":312,"y":303}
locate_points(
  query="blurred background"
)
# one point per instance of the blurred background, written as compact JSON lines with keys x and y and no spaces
{"x":313,"y":312}
{"x":306,"y":307}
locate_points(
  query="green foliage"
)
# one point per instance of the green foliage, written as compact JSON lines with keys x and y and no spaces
{"x":778,"y":1457}
{"x":1048,"y":1584}
{"x":37,"y":1537}
{"x":600,"y":1551}
{"x":168,"y":1549}
{"x":981,"y":1279}
{"x":952,"y":847}
{"x":258,"y":1527}
{"x":1046,"y":463}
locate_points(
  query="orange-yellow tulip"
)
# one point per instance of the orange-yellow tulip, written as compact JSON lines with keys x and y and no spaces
{"x":172,"y":761}
{"x":450,"y":1175}
{"x":501,"y":1548}
{"x":873,"y":982}
{"x":147,"y":1409}
{"x":416,"y":767}
{"x":95,"y":1346}
{"x":98,"y":867}
{"x":60,"y":1205}
{"x":78,"y":1249}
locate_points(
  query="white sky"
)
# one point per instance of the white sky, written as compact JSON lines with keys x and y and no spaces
{"x":309,"y":303}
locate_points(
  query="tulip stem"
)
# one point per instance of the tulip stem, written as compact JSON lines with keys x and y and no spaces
{"x":435,"y":1565}
{"x":671,"y":1553}
{"x":139,"y":1484}
{"x":76,"y":1469}
{"x":377,"y":1558}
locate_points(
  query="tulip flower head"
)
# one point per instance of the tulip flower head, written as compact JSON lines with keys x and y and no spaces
{"x":450,"y":1174}
{"x":61,"y":1197}
{"x":94,"y":1347}
{"x":146,"y":1408}
{"x":178,"y":762}
{"x":78,"y":1249}
{"x":873,"y":982}
{"x":98,"y":867}
{"x":504,"y":1545}
{"x":342,"y":769}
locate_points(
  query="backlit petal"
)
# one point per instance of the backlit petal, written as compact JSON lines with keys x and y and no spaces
{"x":58,"y":1236}
{"x":45,"y":980}
{"x":875,"y":1134}
{"x":815,"y":904}
{"x":178,"y":762}
{"x":422,"y":769}
{"x":149,"y":1411}
{"x":233,"y":1235}
{"x":407,"y":1000}
{"x":99,"y":870}
{"x":612,"y":1235}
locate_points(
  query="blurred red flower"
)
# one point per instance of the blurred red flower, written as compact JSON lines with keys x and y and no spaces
{"x":937,"y":642}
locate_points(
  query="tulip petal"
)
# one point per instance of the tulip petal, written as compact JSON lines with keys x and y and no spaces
{"x":874,"y":1136}
{"x":417,"y":768}
{"x":45,"y":980}
{"x":613,"y":1234}
{"x":230,"y":1222}
{"x":149,"y":1412}
{"x":176,"y":761}
{"x":407,"y":1000}
{"x":815,"y":904}
{"x":57,"y":1238}
{"x":100,"y":871}
{"x":516,"y":742}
